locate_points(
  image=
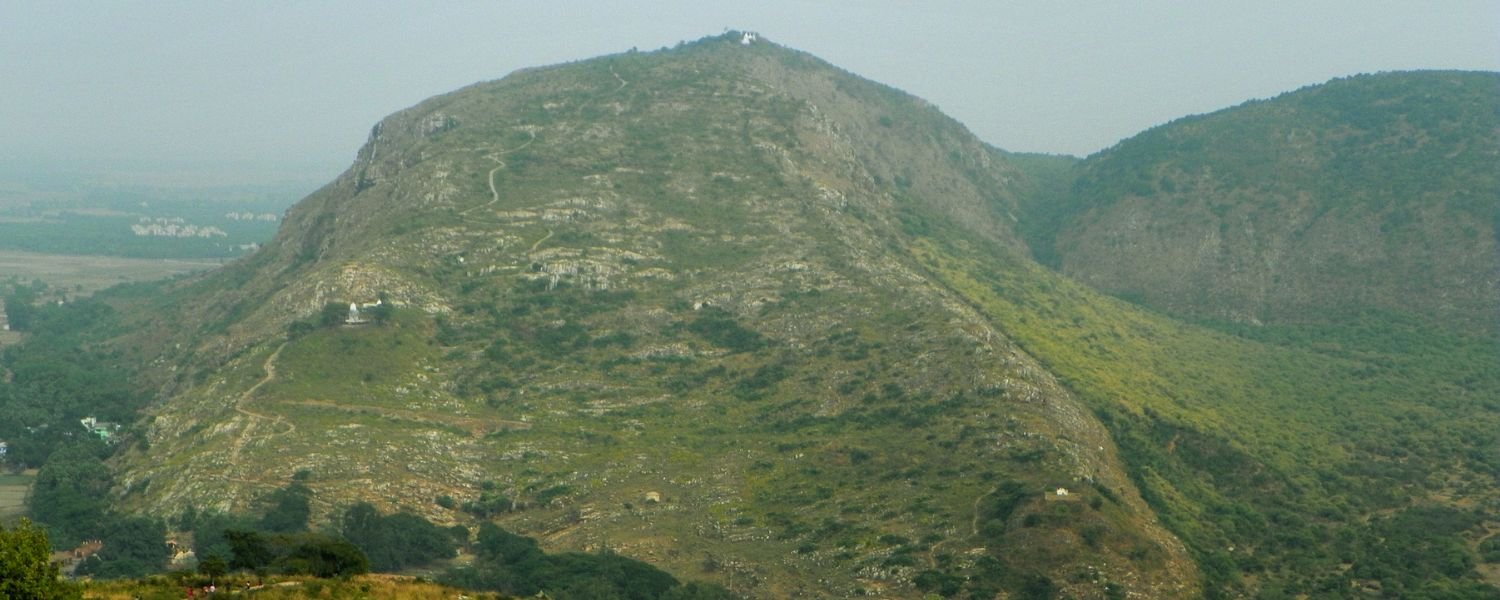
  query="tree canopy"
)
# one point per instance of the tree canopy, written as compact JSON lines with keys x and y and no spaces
{"x":24,"y":568}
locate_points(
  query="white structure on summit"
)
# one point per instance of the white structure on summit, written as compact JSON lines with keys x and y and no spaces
{"x":748,"y":38}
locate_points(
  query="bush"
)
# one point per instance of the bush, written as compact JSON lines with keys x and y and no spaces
{"x":396,"y":541}
{"x":24,"y":568}
{"x":295,"y":554}
{"x":719,"y":328}
{"x":288,"y":509}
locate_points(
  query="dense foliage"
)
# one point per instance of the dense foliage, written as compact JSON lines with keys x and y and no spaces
{"x":806,"y":349}
{"x":24,"y":568}
{"x":1307,"y":459}
{"x":133,"y":547}
{"x":1374,"y":192}
{"x":313,"y":554}
{"x":61,"y":375}
{"x":398,"y":541}
{"x":513,"y":564}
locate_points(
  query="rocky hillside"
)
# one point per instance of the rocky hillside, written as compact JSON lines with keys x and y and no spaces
{"x":730,"y":310}
{"x":676,"y":304}
{"x":1370,"y":194}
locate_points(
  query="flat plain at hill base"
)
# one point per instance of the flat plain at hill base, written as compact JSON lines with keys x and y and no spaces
{"x":13,"y":493}
{"x":92,"y":273}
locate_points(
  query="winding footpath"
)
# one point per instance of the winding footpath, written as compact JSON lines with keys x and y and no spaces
{"x":500,"y":164}
{"x":255,"y":418}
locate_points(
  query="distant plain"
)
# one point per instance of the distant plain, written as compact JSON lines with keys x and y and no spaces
{"x":83,"y":275}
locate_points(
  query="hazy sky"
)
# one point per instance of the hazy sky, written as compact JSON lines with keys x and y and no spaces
{"x":296,"y":86}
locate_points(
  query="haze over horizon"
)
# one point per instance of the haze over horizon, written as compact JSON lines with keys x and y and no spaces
{"x":289,"y":91}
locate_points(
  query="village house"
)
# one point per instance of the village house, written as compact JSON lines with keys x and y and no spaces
{"x":180,"y":551}
{"x":104,"y":430}
{"x":67,"y":560}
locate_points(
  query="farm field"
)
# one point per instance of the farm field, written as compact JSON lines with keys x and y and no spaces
{"x":84,"y":275}
{"x":13,"y":493}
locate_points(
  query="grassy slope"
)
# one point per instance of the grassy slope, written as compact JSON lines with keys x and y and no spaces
{"x":844,"y":442}
{"x":1260,"y":453}
{"x":828,"y":424}
{"x":1369,"y":192}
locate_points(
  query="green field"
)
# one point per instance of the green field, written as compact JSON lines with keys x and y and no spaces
{"x":13,"y":493}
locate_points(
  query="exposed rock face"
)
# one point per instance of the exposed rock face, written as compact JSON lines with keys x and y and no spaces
{"x":684,"y":276}
{"x":1373,"y":193}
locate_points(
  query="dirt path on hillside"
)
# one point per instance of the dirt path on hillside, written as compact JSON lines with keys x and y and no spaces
{"x":618,"y":78}
{"x":974,"y":521}
{"x":973,"y":528}
{"x":499,"y":164}
{"x":255,"y":418}
{"x":539,"y":242}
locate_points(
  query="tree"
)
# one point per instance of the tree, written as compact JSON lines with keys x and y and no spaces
{"x":396,"y":541}
{"x":213,"y":567}
{"x":333,"y":314}
{"x":503,"y":547}
{"x":324,"y":557}
{"x":249,"y":550}
{"x":24,"y":568}
{"x":381,"y":313}
{"x":136,"y":547}
{"x":20,"y":310}
{"x":290,"y":508}
{"x":71,"y":494}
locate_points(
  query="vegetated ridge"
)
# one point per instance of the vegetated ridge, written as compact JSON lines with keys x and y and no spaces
{"x":1335,"y":434}
{"x":669,"y":304}
{"x":1376,"y":193}
{"x":735,"y":312}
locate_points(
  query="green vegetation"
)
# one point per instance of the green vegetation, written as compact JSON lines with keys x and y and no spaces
{"x":771,"y":325}
{"x":294,"y":554}
{"x":136,"y":547}
{"x":1272,"y":447}
{"x":1374,"y":192}
{"x":13,"y":491}
{"x":1353,"y":397}
{"x":60,"y":376}
{"x":513,"y":564}
{"x":24,"y":568}
{"x":275,"y":587}
{"x":395,"y":542}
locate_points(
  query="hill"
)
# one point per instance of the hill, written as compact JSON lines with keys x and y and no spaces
{"x":730,"y":310}
{"x":1339,"y":245}
{"x":665,"y":303}
{"x":1373,"y":194}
